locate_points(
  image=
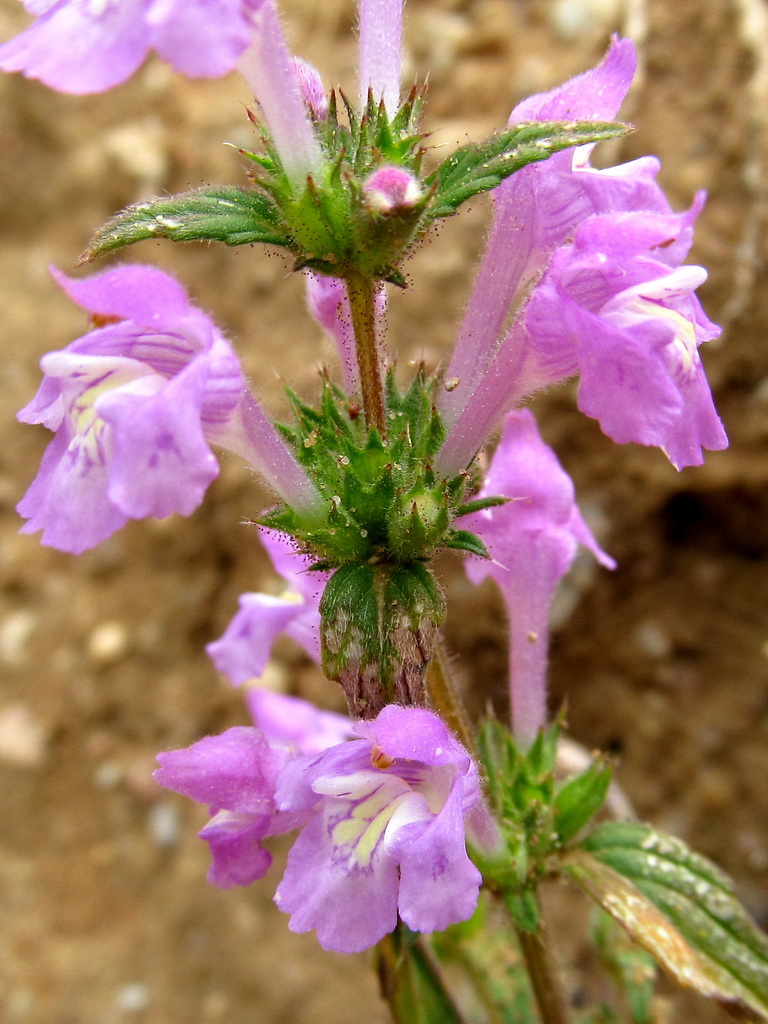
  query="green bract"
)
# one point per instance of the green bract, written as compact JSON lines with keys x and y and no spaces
{"x":327,"y":224}
{"x":384,"y":502}
{"x":538,"y":814}
{"x":386,"y":512}
{"x":377,"y":629}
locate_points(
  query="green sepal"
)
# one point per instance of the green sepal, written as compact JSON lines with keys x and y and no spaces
{"x":411,"y":982}
{"x":377,"y":627}
{"x":580,"y":798}
{"x":482,"y":166}
{"x":418,"y":521}
{"x":538,"y":813}
{"x":235,"y":216}
{"x":479,"y":504}
{"x":541,"y":757}
{"x":521,"y":788}
{"x":678,"y":906}
{"x":463,"y":540}
{"x":384,"y":502}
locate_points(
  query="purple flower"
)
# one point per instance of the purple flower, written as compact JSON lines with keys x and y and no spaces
{"x":381,"y":40}
{"x":562,"y":228}
{"x":312,"y":89}
{"x":135,"y":405}
{"x":385,"y":835}
{"x":235,"y":775}
{"x":532,"y":540}
{"x":382,"y":816}
{"x":328,"y":303}
{"x":612,"y":309}
{"x":86,"y":46}
{"x":296,"y":724}
{"x":244,"y":649}
{"x":287,"y":93}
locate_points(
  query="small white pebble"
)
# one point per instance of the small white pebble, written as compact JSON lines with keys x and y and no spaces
{"x":108,"y":642}
{"x":216,"y":1005}
{"x":572,"y":19}
{"x":15,"y":631}
{"x":164,"y":824}
{"x":133,"y":998}
{"x":653,"y":640}
{"x":20,"y":1005}
{"x":108,"y":775}
{"x":22,"y":738}
{"x":139,"y":149}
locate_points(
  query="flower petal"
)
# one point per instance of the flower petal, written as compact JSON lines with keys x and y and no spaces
{"x":297,"y":723}
{"x":352,"y":906}
{"x":161,"y":463}
{"x":202,"y":38}
{"x":78,"y":47}
{"x":243,"y":651}
{"x":235,"y":842}
{"x":439,"y":884}
{"x":236,"y":771}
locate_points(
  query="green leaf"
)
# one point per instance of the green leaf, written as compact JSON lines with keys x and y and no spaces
{"x":235,"y":216}
{"x":496,"y":987}
{"x":678,"y":906}
{"x":411,"y":982}
{"x":463,"y":540}
{"x":631,"y":968}
{"x":480,"y":167}
{"x":580,"y":798}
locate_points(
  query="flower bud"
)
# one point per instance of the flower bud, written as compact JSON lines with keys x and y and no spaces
{"x":417,"y":522}
{"x":392,"y":191}
{"x":312,"y":91}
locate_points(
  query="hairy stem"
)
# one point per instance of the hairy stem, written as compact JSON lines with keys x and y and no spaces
{"x":545,"y":980}
{"x":444,"y":696}
{"x":411,"y":980}
{"x":362,"y":301}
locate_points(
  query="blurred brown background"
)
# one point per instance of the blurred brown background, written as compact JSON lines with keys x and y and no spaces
{"x":106,"y":916}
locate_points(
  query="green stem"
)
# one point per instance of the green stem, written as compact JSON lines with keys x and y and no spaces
{"x":411,"y":981}
{"x":545,"y":980}
{"x":444,"y":695}
{"x":362,"y":301}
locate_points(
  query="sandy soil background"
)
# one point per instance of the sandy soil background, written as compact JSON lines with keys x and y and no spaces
{"x":106,"y":917}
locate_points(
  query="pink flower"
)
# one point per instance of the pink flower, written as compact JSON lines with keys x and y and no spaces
{"x":136,"y":405}
{"x":244,"y":649}
{"x":532,"y":541}
{"x":383,"y":816}
{"x":87,"y":46}
{"x":589,"y":261}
